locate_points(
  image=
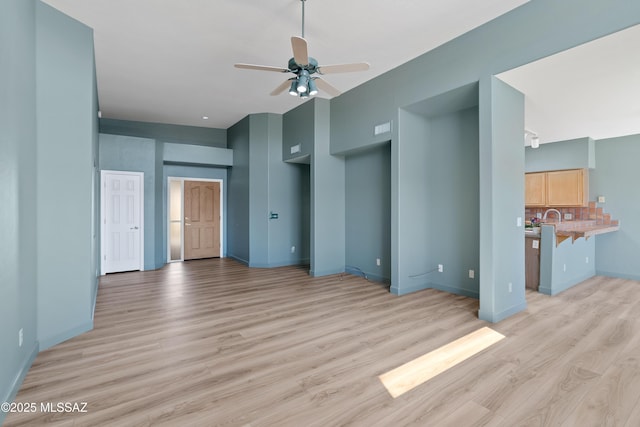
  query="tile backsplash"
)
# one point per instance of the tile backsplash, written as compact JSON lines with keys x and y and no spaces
{"x":590,"y":213}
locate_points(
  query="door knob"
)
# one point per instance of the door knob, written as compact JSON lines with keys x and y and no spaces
{"x":134,"y":228}
{"x":187,"y":223}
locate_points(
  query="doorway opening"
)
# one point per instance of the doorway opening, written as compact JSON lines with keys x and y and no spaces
{"x":195,"y":222}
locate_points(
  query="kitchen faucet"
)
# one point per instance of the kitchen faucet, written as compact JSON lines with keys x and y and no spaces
{"x":556,"y":211}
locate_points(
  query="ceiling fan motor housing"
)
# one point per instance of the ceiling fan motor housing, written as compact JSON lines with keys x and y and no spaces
{"x":311,"y":67}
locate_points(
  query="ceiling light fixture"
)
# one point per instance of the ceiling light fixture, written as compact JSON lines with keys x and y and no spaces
{"x":535,"y":142}
{"x":313,"y":89}
{"x":293,"y":90}
{"x":534,"y":139}
{"x":303,"y":81}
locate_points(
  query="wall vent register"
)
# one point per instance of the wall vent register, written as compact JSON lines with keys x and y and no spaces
{"x":382,"y":128}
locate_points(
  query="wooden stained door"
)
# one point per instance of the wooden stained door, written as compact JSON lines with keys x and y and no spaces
{"x":201,"y":219}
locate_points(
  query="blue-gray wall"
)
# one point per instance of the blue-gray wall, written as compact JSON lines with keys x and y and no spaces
{"x":368,"y":212}
{"x":572,"y":154}
{"x":238,"y":209}
{"x":18,"y":236}
{"x":67,"y":132}
{"x":502,"y":286}
{"x":565,"y":265}
{"x":298,"y":129}
{"x":133,"y":154}
{"x":288,"y":244}
{"x":48,"y":136}
{"x":438,"y":194}
{"x":453,"y":192}
{"x":260,"y":183}
{"x":617,"y":177}
{"x":327,"y":214}
{"x":177,"y":134}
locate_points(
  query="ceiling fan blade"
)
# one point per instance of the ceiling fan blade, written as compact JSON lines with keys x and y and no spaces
{"x":300,"y":51}
{"x":331,"y":90}
{"x":281,"y":88}
{"x":343,"y":68}
{"x":262,"y":68}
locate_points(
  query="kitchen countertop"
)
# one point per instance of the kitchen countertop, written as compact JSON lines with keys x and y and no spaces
{"x":532,"y":234}
{"x":577,"y":229}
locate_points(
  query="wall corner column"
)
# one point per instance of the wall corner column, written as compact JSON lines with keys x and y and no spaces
{"x":502,"y":289}
{"x":328,"y":241}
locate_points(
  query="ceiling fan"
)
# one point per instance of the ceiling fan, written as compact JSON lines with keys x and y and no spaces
{"x":305,"y":83}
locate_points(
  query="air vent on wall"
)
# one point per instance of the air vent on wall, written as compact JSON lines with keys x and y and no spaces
{"x":382,"y":128}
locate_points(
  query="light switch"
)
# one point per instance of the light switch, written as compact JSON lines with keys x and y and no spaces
{"x":600,"y":199}
{"x":519,"y":222}
{"x":535,"y":244}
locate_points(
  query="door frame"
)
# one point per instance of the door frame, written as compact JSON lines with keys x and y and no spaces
{"x":103,"y":215}
{"x":168,"y":207}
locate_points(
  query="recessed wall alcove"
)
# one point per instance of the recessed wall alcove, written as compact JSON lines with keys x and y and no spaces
{"x":438,"y":194}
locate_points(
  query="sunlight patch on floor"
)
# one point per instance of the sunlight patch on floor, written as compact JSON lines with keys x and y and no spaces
{"x":410,"y":375}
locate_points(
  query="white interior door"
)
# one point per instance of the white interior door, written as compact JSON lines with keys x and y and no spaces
{"x":122,"y":221}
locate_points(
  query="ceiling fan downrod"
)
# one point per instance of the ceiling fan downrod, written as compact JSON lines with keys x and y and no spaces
{"x":303,"y":1}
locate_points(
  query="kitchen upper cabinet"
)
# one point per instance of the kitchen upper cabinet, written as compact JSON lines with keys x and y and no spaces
{"x":565,"y":188}
{"x":535,"y":193}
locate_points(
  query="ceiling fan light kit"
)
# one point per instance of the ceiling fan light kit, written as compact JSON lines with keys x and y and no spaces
{"x":313,"y":89}
{"x":305,"y":84}
{"x":293,"y":91}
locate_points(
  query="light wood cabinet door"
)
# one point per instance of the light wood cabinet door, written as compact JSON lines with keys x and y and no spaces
{"x":535,"y":189}
{"x":567,"y":188}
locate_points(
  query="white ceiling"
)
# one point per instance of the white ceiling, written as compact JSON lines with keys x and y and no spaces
{"x":170,"y":61}
{"x":591,"y":90}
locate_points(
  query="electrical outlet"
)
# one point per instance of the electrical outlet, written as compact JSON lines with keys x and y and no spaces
{"x":440,"y":268}
{"x":519,"y":222}
{"x":510,"y":287}
{"x":20,"y":337}
{"x":378,"y":262}
{"x":568,"y":216}
{"x":293,"y":249}
{"x":601,"y":199}
{"x":539,"y":215}
{"x":472,"y":274}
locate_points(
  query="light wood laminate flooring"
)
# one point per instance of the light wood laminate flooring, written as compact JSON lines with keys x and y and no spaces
{"x":211,"y":342}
